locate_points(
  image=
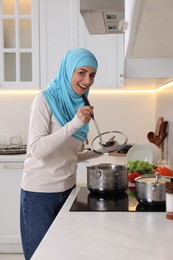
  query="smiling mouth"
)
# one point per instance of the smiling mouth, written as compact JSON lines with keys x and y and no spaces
{"x":82,"y":86}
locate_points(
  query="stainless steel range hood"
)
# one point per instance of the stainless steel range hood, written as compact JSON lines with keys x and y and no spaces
{"x":148,"y":43}
{"x":103,"y":16}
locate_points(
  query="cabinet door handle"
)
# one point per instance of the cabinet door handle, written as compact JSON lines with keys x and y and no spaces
{"x":13,"y":166}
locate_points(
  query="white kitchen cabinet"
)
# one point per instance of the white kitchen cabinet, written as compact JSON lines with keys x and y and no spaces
{"x":19,"y":44}
{"x":62,"y":28}
{"x":10,"y":183}
{"x":58,"y":34}
{"x":34,"y":41}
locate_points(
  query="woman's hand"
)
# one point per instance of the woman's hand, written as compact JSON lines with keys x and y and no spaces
{"x":85,"y":113}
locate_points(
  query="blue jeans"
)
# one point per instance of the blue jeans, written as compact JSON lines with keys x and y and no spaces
{"x":37,"y":212}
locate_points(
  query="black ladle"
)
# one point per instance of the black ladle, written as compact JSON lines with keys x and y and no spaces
{"x":102,"y":143}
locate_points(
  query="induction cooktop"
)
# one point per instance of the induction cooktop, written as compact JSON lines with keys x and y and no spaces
{"x":126,"y":201}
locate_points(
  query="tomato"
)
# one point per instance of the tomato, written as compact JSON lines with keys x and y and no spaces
{"x":164,"y":171}
{"x":132,"y":176}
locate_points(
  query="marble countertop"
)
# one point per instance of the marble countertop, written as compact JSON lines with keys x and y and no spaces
{"x":106,"y":235}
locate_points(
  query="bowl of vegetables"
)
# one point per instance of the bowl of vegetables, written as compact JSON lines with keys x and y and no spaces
{"x":137,"y":168}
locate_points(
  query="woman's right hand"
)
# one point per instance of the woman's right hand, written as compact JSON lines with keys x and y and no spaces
{"x":85,"y":113}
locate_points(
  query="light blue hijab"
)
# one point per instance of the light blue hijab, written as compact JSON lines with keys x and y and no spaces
{"x":61,"y":98}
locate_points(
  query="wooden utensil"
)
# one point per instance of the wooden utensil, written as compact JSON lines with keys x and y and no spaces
{"x":163,"y":133}
{"x":161,"y":129}
{"x":158,"y":125}
{"x":153,"y":136}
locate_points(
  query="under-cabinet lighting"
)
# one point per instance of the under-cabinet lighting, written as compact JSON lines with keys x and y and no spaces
{"x":108,"y":91}
{"x":18,"y":92}
{"x":104,"y":91}
{"x":166,"y":85}
{"x":92,"y":90}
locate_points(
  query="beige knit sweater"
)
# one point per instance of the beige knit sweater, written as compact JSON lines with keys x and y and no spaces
{"x":52,"y":151}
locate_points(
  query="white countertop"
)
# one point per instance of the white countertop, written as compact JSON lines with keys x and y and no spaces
{"x":106,"y":235}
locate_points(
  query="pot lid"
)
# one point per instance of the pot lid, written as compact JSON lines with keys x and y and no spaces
{"x":119,"y":142}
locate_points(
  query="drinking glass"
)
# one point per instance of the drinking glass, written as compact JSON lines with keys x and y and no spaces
{"x":2,"y":142}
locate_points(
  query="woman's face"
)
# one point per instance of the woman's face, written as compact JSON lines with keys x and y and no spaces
{"x":82,"y":79}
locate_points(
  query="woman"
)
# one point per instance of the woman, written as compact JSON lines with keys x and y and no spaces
{"x":58,"y":127}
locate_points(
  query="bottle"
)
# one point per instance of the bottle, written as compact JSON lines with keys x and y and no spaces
{"x":169,"y":200}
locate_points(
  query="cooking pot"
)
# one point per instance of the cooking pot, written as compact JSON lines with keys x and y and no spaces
{"x":107,"y":178}
{"x":150,"y":189}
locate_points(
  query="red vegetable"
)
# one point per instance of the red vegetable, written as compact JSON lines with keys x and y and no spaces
{"x":132,"y":176}
{"x":164,"y":171}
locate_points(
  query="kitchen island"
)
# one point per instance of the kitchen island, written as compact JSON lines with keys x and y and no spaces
{"x":106,"y":235}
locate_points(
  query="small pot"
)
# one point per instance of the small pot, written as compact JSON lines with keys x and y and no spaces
{"x":107,"y":178}
{"x":150,"y":190}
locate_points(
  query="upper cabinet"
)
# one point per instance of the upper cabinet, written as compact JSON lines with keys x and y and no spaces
{"x":58,"y":34}
{"x":37,"y":33}
{"x":19,"y":44}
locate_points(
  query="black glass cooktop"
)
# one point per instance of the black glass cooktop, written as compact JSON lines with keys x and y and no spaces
{"x":126,"y":201}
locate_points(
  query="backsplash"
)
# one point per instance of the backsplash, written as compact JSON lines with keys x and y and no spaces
{"x":164,"y":108}
{"x":14,"y":114}
{"x":134,"y":114}
{"x":131,"y":113}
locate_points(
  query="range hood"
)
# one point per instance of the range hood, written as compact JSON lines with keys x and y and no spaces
{"x":103,"y":16}
{"x":148,"y":43}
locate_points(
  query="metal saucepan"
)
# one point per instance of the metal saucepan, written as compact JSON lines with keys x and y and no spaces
{"x":107,"y":178}
{"x":150,"y":189}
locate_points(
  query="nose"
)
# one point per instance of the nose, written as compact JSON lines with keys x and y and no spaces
{"x":88,"y":80}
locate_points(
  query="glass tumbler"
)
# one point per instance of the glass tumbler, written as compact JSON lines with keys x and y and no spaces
{"x":2,"y":142}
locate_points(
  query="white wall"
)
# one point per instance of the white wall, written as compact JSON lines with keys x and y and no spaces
{"x":14,"y":113}
{"x":131,"y":113}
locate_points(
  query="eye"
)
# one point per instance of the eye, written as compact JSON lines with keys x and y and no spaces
{"x":81,"y":72}
{"x":92,"y":75}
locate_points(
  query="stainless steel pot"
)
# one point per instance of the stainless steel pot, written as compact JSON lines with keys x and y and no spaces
{"x":107,"y":178}
{"x":150,"y":190}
